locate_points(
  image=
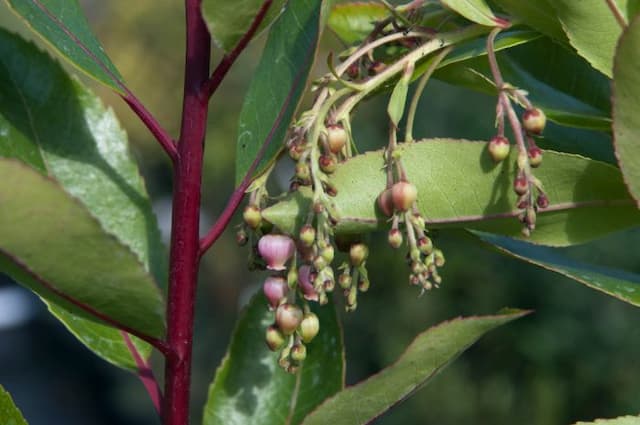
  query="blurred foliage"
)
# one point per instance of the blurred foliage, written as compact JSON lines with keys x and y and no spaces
{"x":576,"y":358}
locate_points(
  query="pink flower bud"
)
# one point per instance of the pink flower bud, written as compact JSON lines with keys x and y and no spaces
{"x":304,"y":280}
{"x":276,"y":250}
{"x":275,"y":289}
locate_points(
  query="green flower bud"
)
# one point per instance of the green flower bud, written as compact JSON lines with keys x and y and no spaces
{"x":274,"y":338}
{"x":535,"y":156}
{"x":307,"y":235}
{"x":298,"y":353}
{"x":395,"y":238}
{"x":499,"y":148}
{"x":288,"y":318}
{"x":358,"y":253}
{"x":336,"y":138}
{"x":309,"y":327}
{"x":534,"y":121}
{"x":252,"y":216}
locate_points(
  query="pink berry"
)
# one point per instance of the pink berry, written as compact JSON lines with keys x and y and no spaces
{"x":288,"y":318}
{"x":520,"y":185}
{"x":276,"y":250}
{"x":275,"y":288}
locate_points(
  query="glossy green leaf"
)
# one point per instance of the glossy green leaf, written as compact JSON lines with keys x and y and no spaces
{"x":250,"y":387}
{"x":9,"y":413}
{"x":428,"y":354}
{"x":352,"y":22}
{"x":620,"y":284}
{"x":54,"y":246}
{"x":592,"y":30}
{"x":60,"y":128}
{"x":397,"y":101}
{"x":626,"y":104}
{"x":474,"y":10}
{"x":229,"y":20}
{"x":538,"y":14}
{"x":459,"y":186}
{"x":622,"y":420}
{"x":277,"y":86}
{"x":62,"y":25}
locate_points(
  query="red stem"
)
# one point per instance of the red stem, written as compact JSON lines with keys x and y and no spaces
{"x":211,"y":85}
{"x":185,"y":248}
{"x":145,"y":373}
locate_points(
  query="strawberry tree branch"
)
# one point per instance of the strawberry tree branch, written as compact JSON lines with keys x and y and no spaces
{"x":145,"y":373}
{"x":211,"y":85}
{"x":617,"y":13}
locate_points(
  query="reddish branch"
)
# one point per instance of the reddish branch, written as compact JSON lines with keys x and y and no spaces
{"x":145,"y":373}
{"x":154,"y":127}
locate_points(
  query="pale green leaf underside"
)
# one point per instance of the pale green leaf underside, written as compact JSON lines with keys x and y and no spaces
{"x":620,"y":284}
{"x":249,"y":386}
{"x":352,"y":22}
{"x":626,"y":104}
{"x":460,"y":186}
{"x":229,"y":20}
{"x":623,"y":420}
{"x":9,"y":413}
{"x":474,"y":10}
{"x":428,"y":354}
{"x":62,"y":25}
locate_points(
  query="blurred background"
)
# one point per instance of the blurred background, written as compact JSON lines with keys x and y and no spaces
{"x":576,"y":358}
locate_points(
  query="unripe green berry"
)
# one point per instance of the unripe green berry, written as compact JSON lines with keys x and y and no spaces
{"x":328,"y":253}
{"x":534,"y":120}
{"x":395,"y":238}
{"x":298,"y":353}
{"x":358,"y":253}
{"x":336,"y":137}
{"x":535,"y":156}
{"x":309,"y":327}
{"x":319,"y":263}
{"x":425,"y":245}
{"x":328,"y":163}
{"x":274,"y":338}
{"x":302,"y":171}
{"x":307,"y":235}
{"x":499,"y":148}
{"x":520,"y":185}
{"x":403,"y":195}
{"x":288,"y":318}
{"x":252,"y":216}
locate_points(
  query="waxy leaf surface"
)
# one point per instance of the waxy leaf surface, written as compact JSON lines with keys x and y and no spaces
{"x":62,"y":25}
{"x":538,"y":14}
{"x":59,"y":128}
{"x":352,"y":22}
{"x":428,"y":354}
{"x":474,"y":10}
{"x":251,"y":388}
{"x":460,"y":186}
{"x":229,"y":20}
{"x":9,"y":413}
{"x":626,"y":104}
{"x":277,"y":85}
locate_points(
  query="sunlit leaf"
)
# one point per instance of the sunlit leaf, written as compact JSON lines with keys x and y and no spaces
{"x":9,"y":413}
{"x":623,"y":420}
{"x":474,"y":10}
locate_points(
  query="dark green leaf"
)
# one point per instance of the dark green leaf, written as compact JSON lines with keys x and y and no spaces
{"x":229,"y":20}
{"x":428,"y":354}
{"x":54,"y":246}
{"x":633,"y":8}
{"x":277,"y":85}
{"x":622,"y":420}
{"x":250,"y":387}
{"x":536,"y":14}
{"x":592,"y":30}
{"x":619,"y":284}
{"x":9,"y":413}
{"x":626,"y":105}
{"x":62,"y":24}
{"x":352,"y":22}
{"x":459,"y":186}
{"x":474,"y":10}
{"x":60,"y":128}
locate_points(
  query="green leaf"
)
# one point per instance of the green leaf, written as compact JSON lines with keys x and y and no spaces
{"x":459,"y":186}
{"x":352,"y":22}
{"x":9,"y":413}
{"x":229,"y":20}
{"x":633,"y":8}
{"x":538,"y":14}
{"x":277,"y":86}
{"x":428,"y":354}
{"x":395,"y":109}
{"x":51,"y":244}
{"x":250,"y":387}
{"x":474,"y":10}
{"x":622,"y":420}
{"x":60,"y":128}
{"x":626,"y":104}
{"x":592,"y":30}
{"x":62,"y":24}
{"x":622,"y":285}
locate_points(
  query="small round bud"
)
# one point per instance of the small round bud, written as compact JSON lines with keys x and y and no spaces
{"x":319,"y":263}
{"x":439,"y":258}
{"x":403,"y":195}
{"x":298,"y":353}
{"x":302,"y":171}
{"x":252,"y":216}
{"x":309,"y":327}
{"x":328,"y":253}
{"x":418,"y":221}
{"x":385,"y":202}
{"x":534,"y":120}
{"x":499,"y":148}
{"x":363,"y":284}
{"x":275,"y":288}
{"x":276,"y":250}
{"x":535,"y":156}
{"x":358,"y":253}
{"x":328,"y":163}
{"x":395,"y":238}
{"x":241,"y":237}
{"x":344,"y":281}
{"x":425,"y":245}
{"x":542,"y":201}
{"x":307,"y":235}
{"x":521,"y":185}
{"x":288,"y":318}
{"x":336,"y":137}
{"x":274,"y":338}
{"x":295,"y":152}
